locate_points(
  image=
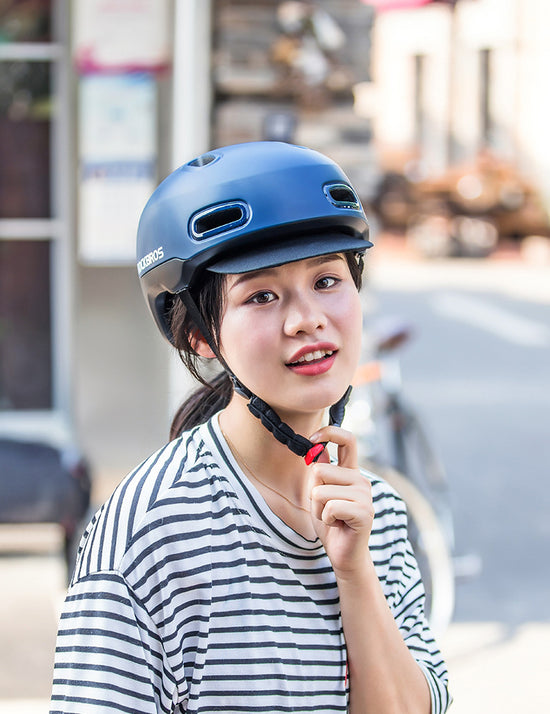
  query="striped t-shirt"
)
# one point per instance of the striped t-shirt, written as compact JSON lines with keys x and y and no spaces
{"x":191,"y":595}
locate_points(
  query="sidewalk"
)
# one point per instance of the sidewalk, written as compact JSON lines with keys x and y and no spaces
{"x":495,"y":669}
{"x":509,"y":270}
{"x":24,"y":706}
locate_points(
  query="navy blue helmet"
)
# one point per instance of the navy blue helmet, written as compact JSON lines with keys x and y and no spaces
{"x":241,"y":208}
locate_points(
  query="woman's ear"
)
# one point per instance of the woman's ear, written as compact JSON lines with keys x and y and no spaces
{"x":201,"y":346}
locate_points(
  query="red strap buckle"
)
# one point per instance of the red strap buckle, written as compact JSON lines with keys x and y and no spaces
{"x":314,"y":453}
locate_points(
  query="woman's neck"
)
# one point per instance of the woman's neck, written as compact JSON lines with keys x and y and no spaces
{"x":257,"y":450}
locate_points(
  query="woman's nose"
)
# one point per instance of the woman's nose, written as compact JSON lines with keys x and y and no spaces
{"x":304,"y":315}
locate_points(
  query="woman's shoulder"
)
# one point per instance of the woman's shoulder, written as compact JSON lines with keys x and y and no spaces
{"x":388,"y":538}
{"x":388,"y":504}
{"x":180,"y":472}
{"x":381,"y":488}
{"x":173,"y":465}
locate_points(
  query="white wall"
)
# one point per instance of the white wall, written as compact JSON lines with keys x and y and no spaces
{"x":398,"y":36}
{"x":127,"y":379}
{"x":533,"y":93}
{"x":516,"y":31}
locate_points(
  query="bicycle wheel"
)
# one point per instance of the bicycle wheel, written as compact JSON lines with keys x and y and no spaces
{"x":430,"y":548}
{"x":413,"y":456}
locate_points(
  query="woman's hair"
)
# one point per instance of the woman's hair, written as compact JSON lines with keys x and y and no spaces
{"x":215,"y":392}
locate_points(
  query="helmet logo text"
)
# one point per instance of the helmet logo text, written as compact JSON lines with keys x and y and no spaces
{"x":153,"y":257}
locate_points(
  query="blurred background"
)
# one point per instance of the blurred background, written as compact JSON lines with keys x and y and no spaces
{"x":439,"y":113}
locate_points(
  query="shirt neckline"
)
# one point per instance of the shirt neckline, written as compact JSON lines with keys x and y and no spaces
{"x":255,"y":504}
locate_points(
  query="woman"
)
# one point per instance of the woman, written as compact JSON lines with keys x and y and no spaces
{"x":238,"y":569}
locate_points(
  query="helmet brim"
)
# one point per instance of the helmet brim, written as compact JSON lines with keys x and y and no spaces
{"x":287,"y":250}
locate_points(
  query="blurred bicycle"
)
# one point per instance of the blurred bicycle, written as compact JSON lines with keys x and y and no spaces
{"x":393,"y":444}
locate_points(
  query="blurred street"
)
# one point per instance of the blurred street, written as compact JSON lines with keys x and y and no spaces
{"x":477,"y":369}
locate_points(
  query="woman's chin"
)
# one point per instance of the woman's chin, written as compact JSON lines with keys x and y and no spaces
{"x":312,"y":407}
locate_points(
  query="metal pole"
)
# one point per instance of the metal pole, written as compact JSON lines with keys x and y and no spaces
{"x":191,"y":80}
{"x":453,"y":34}
{"x":191,"y":110}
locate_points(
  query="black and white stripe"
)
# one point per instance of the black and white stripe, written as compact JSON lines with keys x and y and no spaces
{"x":190,"y":595}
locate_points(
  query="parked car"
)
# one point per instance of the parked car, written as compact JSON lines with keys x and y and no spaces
{"x":44,"y":483}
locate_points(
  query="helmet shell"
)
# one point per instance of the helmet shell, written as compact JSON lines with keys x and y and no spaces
{"x":236,"y":199}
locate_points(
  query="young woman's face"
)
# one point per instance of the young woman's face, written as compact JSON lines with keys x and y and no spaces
{"x":292,"y":334}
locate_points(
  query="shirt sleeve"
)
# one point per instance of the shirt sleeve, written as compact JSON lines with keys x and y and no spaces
{"x":400,"y":578}
{"x":109,"y":657}
{"x":408,"y":609}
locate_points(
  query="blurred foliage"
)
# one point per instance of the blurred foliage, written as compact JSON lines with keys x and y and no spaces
{"x":25,"y":20}
{"x":25,"y":90}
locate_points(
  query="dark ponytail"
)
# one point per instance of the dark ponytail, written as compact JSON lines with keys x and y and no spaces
{"x":215,"y":393}
{"x":202,"y":404}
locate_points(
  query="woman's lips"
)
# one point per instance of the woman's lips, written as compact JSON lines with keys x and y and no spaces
{"x":314,"y":364}
{"x":312,"y":352}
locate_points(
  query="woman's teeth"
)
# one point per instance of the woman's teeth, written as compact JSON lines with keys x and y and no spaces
{"x":312,"y":356}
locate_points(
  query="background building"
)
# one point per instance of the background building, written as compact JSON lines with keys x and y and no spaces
{"x":99,"y":101}
{"x":454,"y":78}
{"x":86,"y":132}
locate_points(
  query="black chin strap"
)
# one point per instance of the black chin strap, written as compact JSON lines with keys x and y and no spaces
{"x":297,"y":443}
{"x":281,"y":431}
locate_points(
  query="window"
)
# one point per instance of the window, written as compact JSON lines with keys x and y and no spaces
{"x":25,"y":20}
{"x":25,"y":325}
{"x":25,"y":122}
{"x":33,"y":207}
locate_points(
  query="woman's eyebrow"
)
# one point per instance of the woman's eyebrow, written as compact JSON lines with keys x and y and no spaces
{"x":244,"y":277}
{"x":317,"y":260}
{"x":327,"y":258}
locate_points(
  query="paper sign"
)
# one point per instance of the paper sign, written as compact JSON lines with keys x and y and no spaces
{"x":121,"y":35}
{"x":117,"y":167}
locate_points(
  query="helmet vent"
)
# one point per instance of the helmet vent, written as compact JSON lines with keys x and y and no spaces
{"x":342,"y":196}
{"x":219,"y":219}
{"x":203,"y":160}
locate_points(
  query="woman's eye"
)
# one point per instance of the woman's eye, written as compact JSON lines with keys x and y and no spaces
{"x":262,"y":298}
{"x":326,"y":282}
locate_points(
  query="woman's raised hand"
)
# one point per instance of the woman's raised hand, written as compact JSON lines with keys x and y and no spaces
{"x":341,"y":503}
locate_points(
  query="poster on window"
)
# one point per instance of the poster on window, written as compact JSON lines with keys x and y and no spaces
{"x":123,"y":36}
{"x":117,"y":163}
